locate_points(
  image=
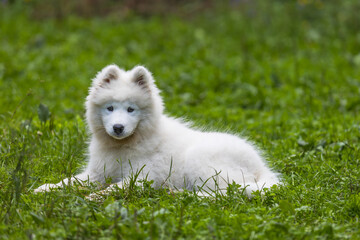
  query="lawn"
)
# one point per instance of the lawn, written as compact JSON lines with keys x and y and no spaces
{"x":285,"y":74}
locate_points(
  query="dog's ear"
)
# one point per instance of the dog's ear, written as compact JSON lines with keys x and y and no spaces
{"x":141,"y":76}
{"x":107,"y":74}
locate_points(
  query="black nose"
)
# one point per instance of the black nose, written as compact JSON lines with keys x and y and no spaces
{"x":118,"y":128}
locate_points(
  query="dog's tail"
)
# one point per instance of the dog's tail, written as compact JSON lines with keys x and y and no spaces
{"x":265,"y":181}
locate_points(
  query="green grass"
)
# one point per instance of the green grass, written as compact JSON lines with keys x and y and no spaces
{"x":284,"y":73}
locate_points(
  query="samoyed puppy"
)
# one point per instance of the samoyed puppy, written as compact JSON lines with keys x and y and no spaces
{"x":130,"y":135}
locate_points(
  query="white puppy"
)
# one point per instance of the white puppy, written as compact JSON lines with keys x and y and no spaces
{"x":129,"y":132}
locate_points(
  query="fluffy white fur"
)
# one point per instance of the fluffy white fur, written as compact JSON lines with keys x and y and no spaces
{"x":124,"y":112}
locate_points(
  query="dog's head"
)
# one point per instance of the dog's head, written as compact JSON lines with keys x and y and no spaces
{"x":123,"y":102}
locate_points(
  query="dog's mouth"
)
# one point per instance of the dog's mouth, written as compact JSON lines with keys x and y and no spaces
{"x":120,"y":136}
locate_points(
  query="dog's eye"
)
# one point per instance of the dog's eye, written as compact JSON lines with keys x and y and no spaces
{"x":111,"y":108}
{"x":130,"y":109}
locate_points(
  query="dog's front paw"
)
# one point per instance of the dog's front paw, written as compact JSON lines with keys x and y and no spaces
{"x":96,"y":197}
{"x":99,"y":196}
{"x":46,"y":187}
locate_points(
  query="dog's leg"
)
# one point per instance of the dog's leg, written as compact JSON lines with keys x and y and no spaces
{"x":81,"y":179}
{"x":96,"y":196}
